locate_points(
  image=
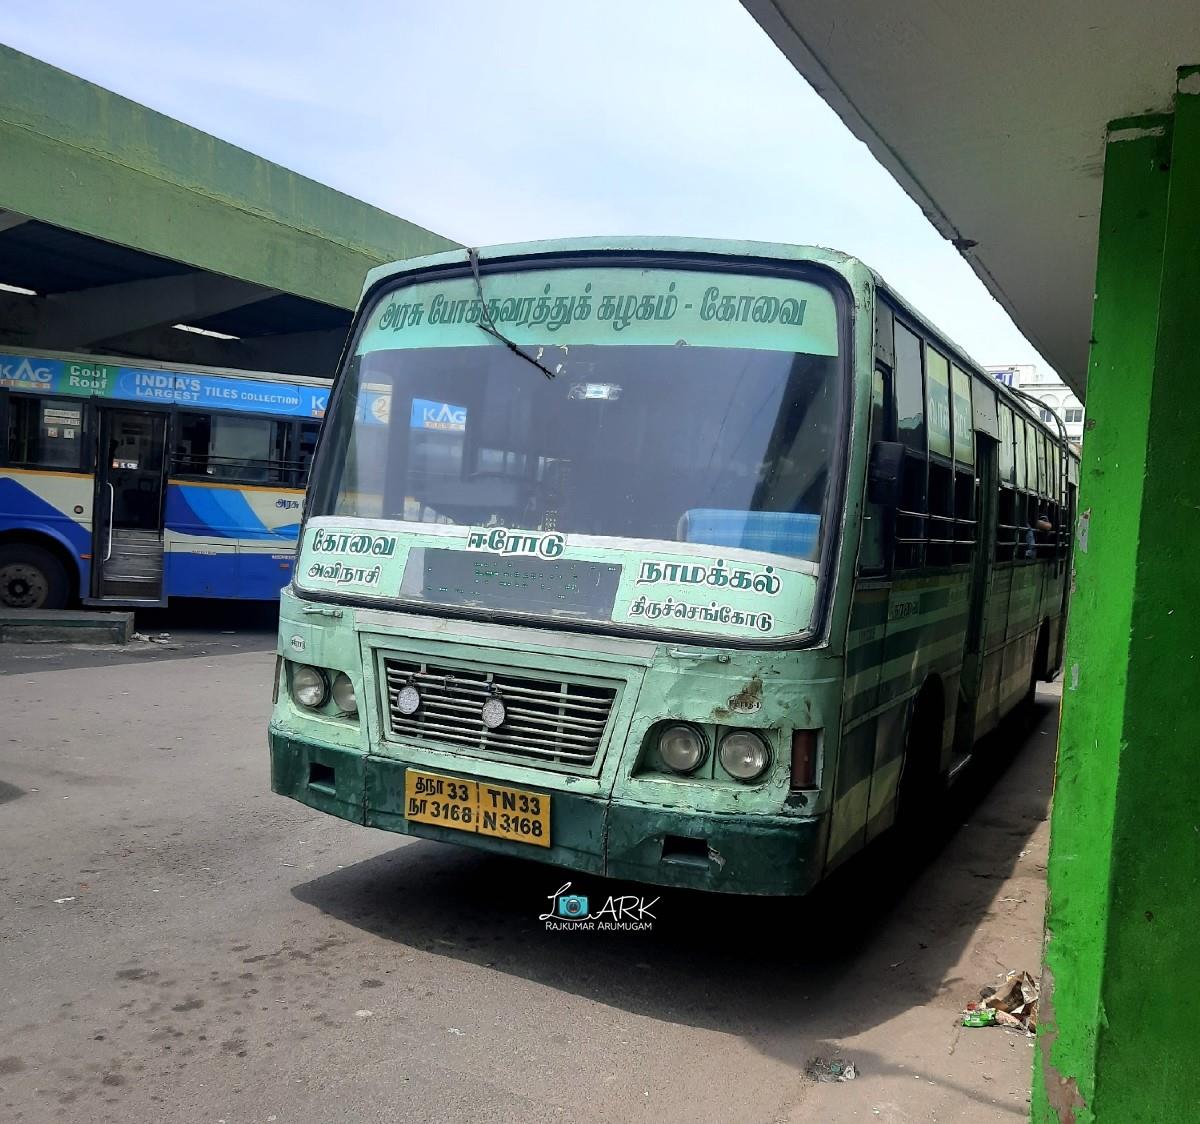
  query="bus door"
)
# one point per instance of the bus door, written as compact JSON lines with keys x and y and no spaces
{"x":127,"y":547}
{"x":976,"y":693}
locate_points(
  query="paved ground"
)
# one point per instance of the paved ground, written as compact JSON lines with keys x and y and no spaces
{"x":178,"y":944}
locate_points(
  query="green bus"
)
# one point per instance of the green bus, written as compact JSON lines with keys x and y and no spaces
{"x":691,"y":562}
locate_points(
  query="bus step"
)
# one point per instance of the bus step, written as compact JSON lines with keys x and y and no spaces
{"x":135,"y":559}
{"x":124,"y":590}
{"x":133,"y":568}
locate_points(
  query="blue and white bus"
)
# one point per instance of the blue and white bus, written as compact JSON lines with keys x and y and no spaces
{"x":128,"y":484}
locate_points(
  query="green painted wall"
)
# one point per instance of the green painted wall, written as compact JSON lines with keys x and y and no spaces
{"x":1119,"y":1037}
{"x":79,"y":156}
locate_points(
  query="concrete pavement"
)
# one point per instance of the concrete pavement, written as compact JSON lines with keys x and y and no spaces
{"x":178,"y":944}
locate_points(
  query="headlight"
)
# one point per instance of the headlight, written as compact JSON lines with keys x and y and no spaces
{"x":682,"y":748}
{"x":343,"y":694}
{"x":310,"y":688}
{"x":744,"y":755}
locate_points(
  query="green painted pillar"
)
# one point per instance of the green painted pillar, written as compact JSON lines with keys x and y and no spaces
{"x":1119,"y":1040}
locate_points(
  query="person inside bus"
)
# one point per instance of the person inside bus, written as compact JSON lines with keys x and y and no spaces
{"x":1040,"y":525}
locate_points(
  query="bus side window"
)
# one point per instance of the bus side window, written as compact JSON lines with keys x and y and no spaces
{"x":963,"y":412}
{"x":1032,"y":503}
{"x":278,"y":471}
{"x":46,"y":432}
{"x":939,"y":550}
{"x":230,"y":447}
{"x":911,"y":516}
{"x":301,"y":456}
{"x":1007,"y":531}
{"x":871,"y":555}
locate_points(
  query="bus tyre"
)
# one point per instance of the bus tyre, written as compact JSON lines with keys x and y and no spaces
{"x":920,"y":776}
{"x":31,"y":577}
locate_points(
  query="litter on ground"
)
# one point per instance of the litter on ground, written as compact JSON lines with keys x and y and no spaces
{"x":1013,"y":1004}
{"x":831,"y":1069}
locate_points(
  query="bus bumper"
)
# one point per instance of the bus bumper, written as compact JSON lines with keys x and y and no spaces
{"x":767,"y":855}
{"x":773,"y":855}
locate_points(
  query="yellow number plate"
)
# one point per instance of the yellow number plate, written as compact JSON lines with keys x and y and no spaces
{"x":486,"y":809}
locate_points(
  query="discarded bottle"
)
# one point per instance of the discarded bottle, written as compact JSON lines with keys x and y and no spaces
{"x":983,"y":1016}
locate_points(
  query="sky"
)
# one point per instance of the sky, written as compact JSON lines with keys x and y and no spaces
{"x":495,"y":122}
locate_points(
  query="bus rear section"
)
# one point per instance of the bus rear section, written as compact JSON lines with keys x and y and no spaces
{"x":566,"y":570}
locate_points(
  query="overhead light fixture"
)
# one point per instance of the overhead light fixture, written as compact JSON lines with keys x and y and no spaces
{"x":18,"y":289}
{"x":204,"y":332}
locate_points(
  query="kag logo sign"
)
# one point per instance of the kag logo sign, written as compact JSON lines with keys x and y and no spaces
{"x":438,"y":415}
{"x":619,"y":913}
{"x":20,"y":373}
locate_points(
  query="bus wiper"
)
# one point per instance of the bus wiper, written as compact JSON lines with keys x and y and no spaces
{"x":490,"y":326}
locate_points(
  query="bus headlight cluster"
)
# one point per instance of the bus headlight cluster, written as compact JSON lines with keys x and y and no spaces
{"x":682,"y":748}
{"x":744,"y":755}
{"x":312,"y":688}
{"x":343,"y":694}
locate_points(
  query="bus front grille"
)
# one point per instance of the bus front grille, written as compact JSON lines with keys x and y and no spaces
{"x":548,"y":720}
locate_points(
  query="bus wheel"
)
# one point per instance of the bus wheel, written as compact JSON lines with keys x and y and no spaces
{"x":921,"y":781}
{"x":31,"y":578}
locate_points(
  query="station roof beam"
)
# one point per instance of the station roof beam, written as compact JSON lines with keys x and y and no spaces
{"x":118,"y":223}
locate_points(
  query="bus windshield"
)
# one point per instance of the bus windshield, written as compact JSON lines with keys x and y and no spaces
{"x":714,"y":446}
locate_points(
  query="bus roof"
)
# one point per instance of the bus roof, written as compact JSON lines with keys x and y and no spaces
{"x":778,"y":251}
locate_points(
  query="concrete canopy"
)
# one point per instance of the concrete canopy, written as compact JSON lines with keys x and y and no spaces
{"x":993,"y":118}
{"x":123,"y":222}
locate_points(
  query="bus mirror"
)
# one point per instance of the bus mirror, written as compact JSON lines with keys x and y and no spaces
{"x":883,"y":473}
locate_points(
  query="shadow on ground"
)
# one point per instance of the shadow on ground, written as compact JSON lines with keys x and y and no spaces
{"x":787,"y":974}
{"x":196,"y":614}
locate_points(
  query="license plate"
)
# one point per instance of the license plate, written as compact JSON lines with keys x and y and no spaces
{"x":477,"y":806}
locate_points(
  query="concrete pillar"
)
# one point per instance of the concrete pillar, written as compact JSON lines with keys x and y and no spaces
{"x":1120,"y":1023}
